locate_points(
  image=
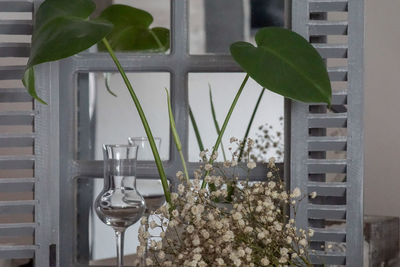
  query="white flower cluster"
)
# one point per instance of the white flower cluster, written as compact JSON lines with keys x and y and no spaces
{"x":230,"y":223}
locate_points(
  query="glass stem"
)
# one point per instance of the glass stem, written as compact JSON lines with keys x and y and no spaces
{"x":120,"y":234}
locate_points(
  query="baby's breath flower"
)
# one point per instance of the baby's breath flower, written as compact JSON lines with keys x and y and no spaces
{"x":296,"y":192}
{"x":220,"y":261}
{"x":310,"y":232}
{"x":149,"y":261}
{"x":237,"y":216}
{"x":143,"y":221}
{"x":203,"y":154}
{"x":303,"y":242}
{"x":195,"y":230}
{"x":181,"y":188}
{"x":251,"y":165}
{"x":264,"y":261}
{"x":208,"y":167}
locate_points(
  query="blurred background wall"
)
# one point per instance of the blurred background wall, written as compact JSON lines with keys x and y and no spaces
{"x":382,"y":109}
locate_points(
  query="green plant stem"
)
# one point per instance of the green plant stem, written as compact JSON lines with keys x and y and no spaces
{"x":228,"y":116}
{"x":176,"y":136}
{"x":196,"y":130}
{"x":146,"y":126}
{"x":249,"y":125}
{"x":214,"y":116}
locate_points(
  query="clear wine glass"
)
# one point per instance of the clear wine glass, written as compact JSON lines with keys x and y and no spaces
{"x":120,"y":205}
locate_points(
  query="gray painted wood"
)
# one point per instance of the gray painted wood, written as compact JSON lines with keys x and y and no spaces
{"x":346,"y":114}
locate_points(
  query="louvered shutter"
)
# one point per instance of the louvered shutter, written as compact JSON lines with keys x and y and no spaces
{"x":327,"y":144}
{"x":27,"y":228}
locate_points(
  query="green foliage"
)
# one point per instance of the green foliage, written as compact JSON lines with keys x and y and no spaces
{"x":282,"y":62}
{"x":62,"y":30}
{"x":214,"y":116}
{"x":132,"y":30}
{"x":177,"y":140}
{"x":196,"y":130}
{"x":285,"y":63}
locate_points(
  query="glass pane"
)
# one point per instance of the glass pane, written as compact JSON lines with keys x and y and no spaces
{"x":214,"y":25}
{"x":224,"y":87}
{"x":113,"y":119}
{"x":159,"y":9}
{"x":106,"y":119}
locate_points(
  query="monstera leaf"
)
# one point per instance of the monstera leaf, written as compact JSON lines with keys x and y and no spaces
{"x":132,"y":30}
{"x":62,"y":30}
{"x":285,"y":63}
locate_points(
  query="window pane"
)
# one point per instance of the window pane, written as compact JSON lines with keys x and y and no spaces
{"x":224,"y":87}
{"x":114,"y":119}
{"x":214,"y":25}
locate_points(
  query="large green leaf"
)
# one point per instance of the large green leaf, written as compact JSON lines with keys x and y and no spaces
{"x":62,"y":30}
{"x":285,"y":63}
{"x":64,"y":37}
{"x":51,"y":9}
{"x":132,"y":30}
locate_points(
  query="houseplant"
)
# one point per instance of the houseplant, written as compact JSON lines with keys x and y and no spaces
{"x":282,"y":61}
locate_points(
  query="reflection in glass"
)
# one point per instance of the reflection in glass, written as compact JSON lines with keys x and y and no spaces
{"x":154,"y":196}
{"x":119,"y":205}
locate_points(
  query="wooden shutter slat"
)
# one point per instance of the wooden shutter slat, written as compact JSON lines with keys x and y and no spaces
{"x":327,"y":189}
{"x":328,"y":258}
{"x":16,"y":6}
{"x":328,"y":5}
{"x":328,"y":235}
{"x":11,"y":72}
{"x":17,"y":185}
{"x":328,"y":120}
{"x":327,"y":143}
{"x":337,"y":74}
{"x":323,"y":27}
{"x":326,"y":166}
{"x":9,"y":95}
{"x":18,"y":27}
{"x":17,"y":229}
{"x":332,"y":50}
{"x":17,"y":252}
{"x":17,"y":140}
{"x":15,"y":49}
{"x":16,"y":162}
{"x":16,"y":117}
{"x":19,"y":206}
{"x":334,"y":212}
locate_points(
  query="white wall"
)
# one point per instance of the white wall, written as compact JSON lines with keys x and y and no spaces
{"x":382,"y":109}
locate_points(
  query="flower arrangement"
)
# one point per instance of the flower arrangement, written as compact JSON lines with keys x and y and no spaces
{"x":256,"y":230}
{"x":201,"y":228}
